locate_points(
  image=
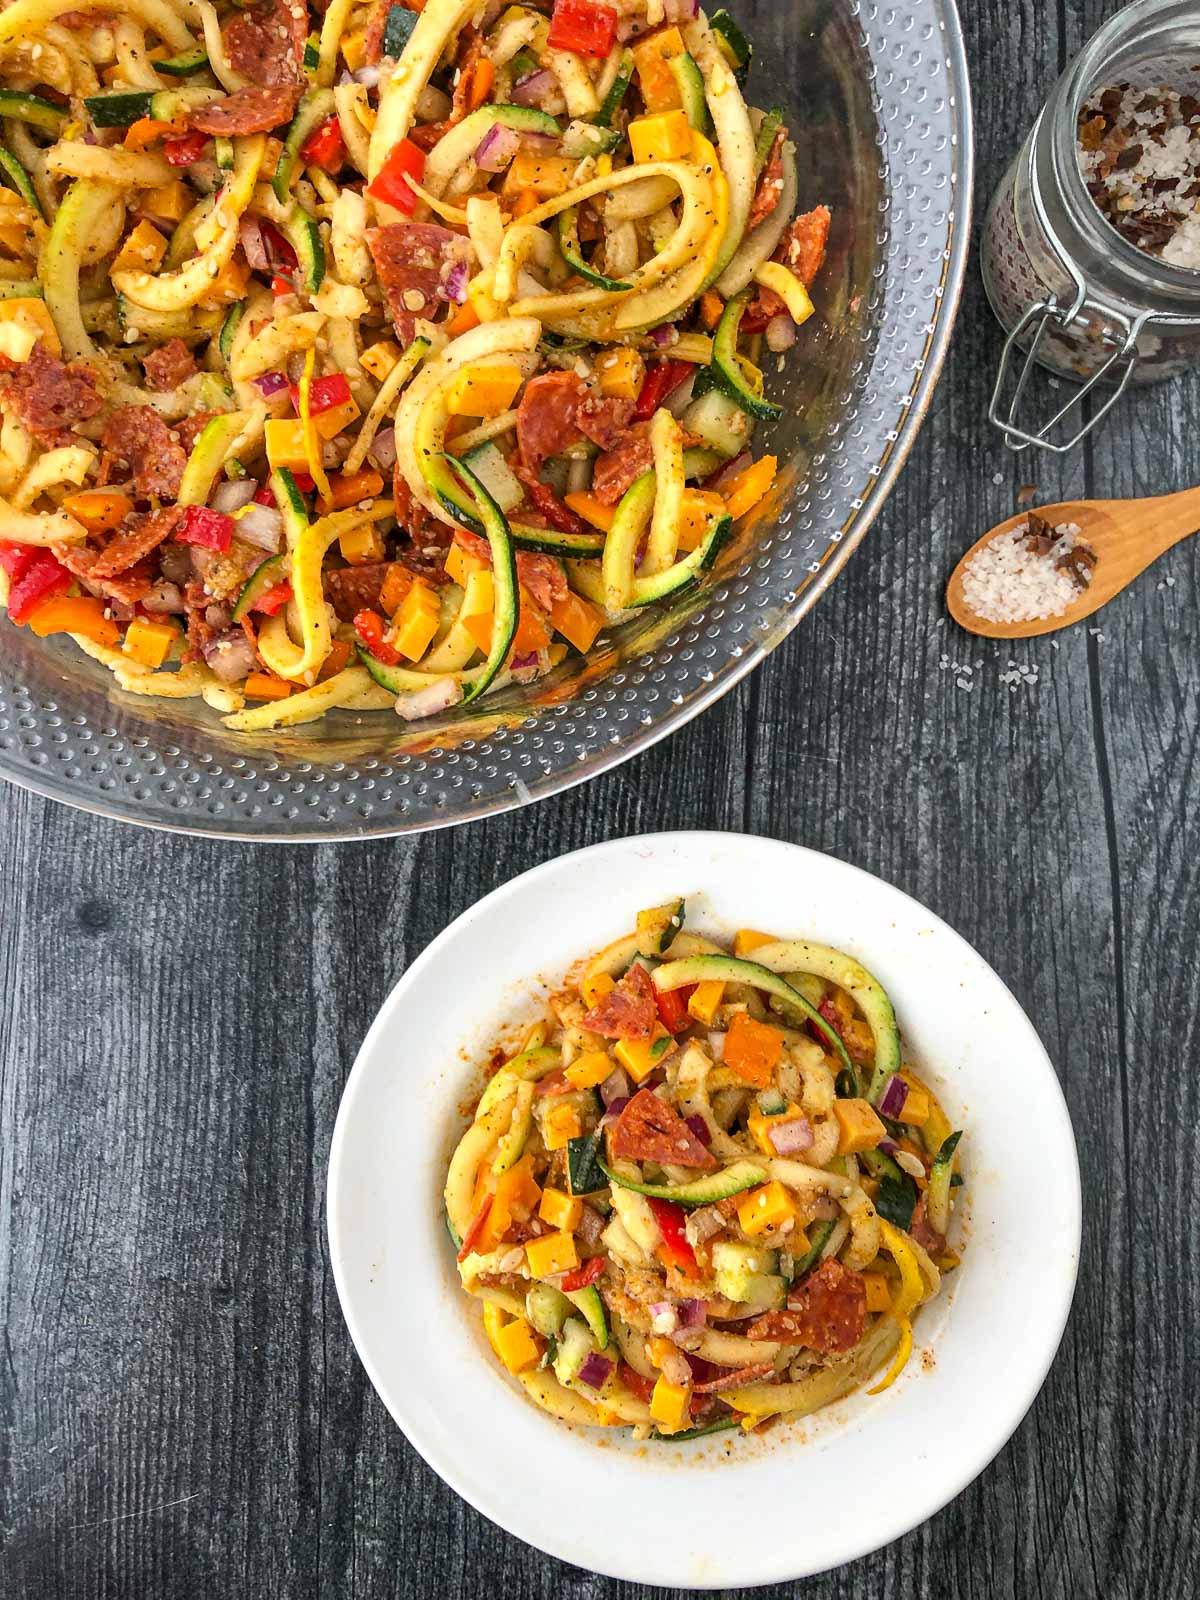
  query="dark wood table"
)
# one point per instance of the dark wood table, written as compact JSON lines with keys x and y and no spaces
{"x":181,"y":1411}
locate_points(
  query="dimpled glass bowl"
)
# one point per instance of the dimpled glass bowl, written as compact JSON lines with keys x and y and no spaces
{"x":878,"y":104}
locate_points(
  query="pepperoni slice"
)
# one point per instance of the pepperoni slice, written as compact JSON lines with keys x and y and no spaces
{"x":803,"y":246}
{"x":169,"y":366}
{"x":604,"y":418}
{"x":648,"y":1130}
{"x":733,"y":1380}
{"x":413,"y":261}
{"x":255,"y":109}
{"x":546,"y":417}
{"x":190,"y":429}
{"x":353,"y":589}
{"x":134,"y":542}
{"x":827,"y":1312}
{"x":138,"y":436}
{"x":641,"y":1388}
{"x":266,"y":43}
{"x":47,"y":396}
{"x":928,"y":1238}
{"x":616,"y":469}
{"x":770,"y":184}
{"x":628,"y":1011}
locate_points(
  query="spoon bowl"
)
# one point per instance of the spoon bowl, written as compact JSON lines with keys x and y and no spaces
{"x":1126,"y":536}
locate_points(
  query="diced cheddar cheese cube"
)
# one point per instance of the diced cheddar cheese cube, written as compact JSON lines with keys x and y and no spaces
{"x":592,"y":990}
{"x":477,"y":608}
{"x":747,"y":939}
{"x":516,"y":1345}
{"x":767,"y":1207}
{"x":639,"y":1057}
{"x":354,"y":49}
{"x":142,"y":251}
{"x":285,"y":443}
{"x":621,"y":373}
{"x":586,"y":505}
{"x":664,"y":136}
{"x":577,"y":620}
{"x":759,"y":1125}
{"x":700,"y":508}
{"x":331,"y":422}
{"x":379,"y":359}
{"x":879,"y":1294}
{"x":484,"y":391}
{"x":560,"y":1125}
{"x":589,"y":1069}
{"x":460,"y":564}
{"x":416,"y":622}
{"x":228,"y":285}
{"x":917,"y":1104}
{"x":747,"y":489}
{"x":552,"y":1253}
{"x":860,"y":1128}
{"x":669,"y":1405}
{"x":29,"y":318}
{"x":362,"y":544}
{"x":481,"y":300}
{"x":752,"y":1049}
{"x":704,"y":1000}
{"x":149,"y":643}
{"x":561,"y":1211}
{"x":169,"y":202}
{"x":545,"y":176}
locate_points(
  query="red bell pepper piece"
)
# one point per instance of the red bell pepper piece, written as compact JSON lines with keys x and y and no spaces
{"x":43,"y":576}
{"x":471,"y":1237}
{"x":304,"y":482}
{"x":583,"y":1275}
{"x":210,"y":530}
{"x":188,"y":147}
{"x":582,"y":26}
{"x":273,"y":600}
{"x":389,"y":187}
{"x":369,"y":626}
{"x":281,"y":286}
{"x":675,"y":1247}
{"x":15,"y":558}
{"x":264,"y":496}
{"x":673,"y":1007}
{"x":323,"y":393}
{"x":662,"y":379}
{"x":324,"y":147}
{"x":556,"y":514}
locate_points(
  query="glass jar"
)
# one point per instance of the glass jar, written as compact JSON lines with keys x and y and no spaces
{"x":1074,"y":294}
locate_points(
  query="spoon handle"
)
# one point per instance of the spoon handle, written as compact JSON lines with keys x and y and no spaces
{"x":1160,"y":520}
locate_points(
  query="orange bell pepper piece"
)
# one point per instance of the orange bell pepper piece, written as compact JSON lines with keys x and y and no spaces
{"x":529,"y":200}
{"x":483,"y":75}
{"x":63,"y":613}
{"x":146,"y":131}
{"x":532,"y":633}
{"x":397,"y":582}
{"x":752,"y":1049}
{"x":711,"y":307}
{"x":262,"y":686}
{"x":98,"y":509}
{"x":463,"y":320}
{"x":348,"y":489}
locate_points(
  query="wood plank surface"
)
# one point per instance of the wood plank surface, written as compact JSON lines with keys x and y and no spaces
{"x":181,"y":1412}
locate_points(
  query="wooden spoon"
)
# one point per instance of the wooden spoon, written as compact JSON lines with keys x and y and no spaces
{"x":1126,"y":536}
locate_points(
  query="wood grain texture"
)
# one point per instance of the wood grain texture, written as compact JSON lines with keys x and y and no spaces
{"x":181,"y":1412}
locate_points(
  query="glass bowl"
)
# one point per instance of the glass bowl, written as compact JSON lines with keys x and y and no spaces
{"x":878,"y":102}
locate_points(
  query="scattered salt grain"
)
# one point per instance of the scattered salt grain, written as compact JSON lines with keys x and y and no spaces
{"x":1023,"y":574}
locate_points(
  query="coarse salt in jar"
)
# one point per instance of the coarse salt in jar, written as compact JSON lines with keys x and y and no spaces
{"x":1091,"y":247}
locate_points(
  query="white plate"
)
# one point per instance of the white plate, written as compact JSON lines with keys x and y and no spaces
{"x":725,"y":1511}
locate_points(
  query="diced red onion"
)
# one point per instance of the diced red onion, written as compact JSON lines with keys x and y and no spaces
{"x":703,"y":1224}
{"x":615,"y":1087}
{"x":271,"y":383}
{"x":889,"y":1147}
{"x":429,"y":700}
{"x":891,"y":1101}
{"x":175,"y":562}
{"x":781,"y":333}
{"x":253,"y":243}
{"x":616,"y":1107}
{"x":539,"y":141}
{"x":626,"y":28}
{"x":680,"y":10}
{"x":230,"y":655}
{"x":383,"y":449}
{"x":217,"y":615}
{"x":591,"y":1225}
{"x":716,"y":1046}
{"x":163,"y":598}
{"x":233,"y":495}
{"x":596,"y":1370}
{"x":261,"y":526}
{"x":680,"y":397}
{"x":497,"y":148}
{"x":792,"y":1137}
{"x":700,"y":1128}
{"x":692,"y":1313}
{"x":534,"y":87}
{"x":455,"y":285}
{"x":666,"y":333}
{"x":368,"y":76}
{"x":730,"y":470}
{"x":120,"y":610}
{"x":662,"y":1317}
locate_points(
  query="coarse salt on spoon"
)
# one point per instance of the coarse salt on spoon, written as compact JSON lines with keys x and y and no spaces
{"x":1124,"y":536}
